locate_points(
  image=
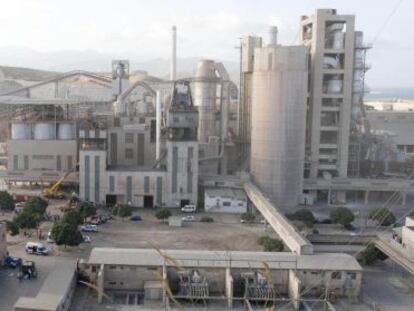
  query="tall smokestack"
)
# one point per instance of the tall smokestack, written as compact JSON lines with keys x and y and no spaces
{"x":174,"y":54}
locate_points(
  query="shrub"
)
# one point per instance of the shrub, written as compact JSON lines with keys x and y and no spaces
{"x":342,"y":215}
{"x":304,"y":215}
{"x":6,"y":201}
{"x":383,"y":216}
{"x":207,"y":219}
{"x":36,"y":205}
{"x":247,"y":217}
{"x":124,"y":211}
{"x":163,"y":213}
{"x":371,"y":254}
{"x":87,"y":209}
{"x":13,"y":228}
{"x":270,"y":245}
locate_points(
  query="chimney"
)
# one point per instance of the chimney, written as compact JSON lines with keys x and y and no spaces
{"x":174,"y":54}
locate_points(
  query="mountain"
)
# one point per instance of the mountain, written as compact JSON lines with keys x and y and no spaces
{"x":91,"y":60}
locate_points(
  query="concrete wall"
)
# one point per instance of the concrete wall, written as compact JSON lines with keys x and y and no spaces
{"x":407,"y":234}
{"x":182,"y":174}
{"x":47,"y":156}
{"x":129,"y":278}
{"x":133,"y":145}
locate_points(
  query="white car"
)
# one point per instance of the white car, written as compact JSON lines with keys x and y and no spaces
{"x":49,"y":237}
{"x":18,"y":207}
{"x":36,"y":248}
{"x":188,"y":218}
{"x":89,"y":228}
{"x":86,"y":239}
{"x":190,"y":208}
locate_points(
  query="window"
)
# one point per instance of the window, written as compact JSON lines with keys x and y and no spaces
{"x":112,"y":267}
{"x":240,"y":204}
{"x":410,"y":148}
{"x":352,"y":275}
{"x":93,"y":269}
{"x":129,"y":138}
{"x":111,"y":183}
{"x":226,"y":203}
{"x":336,"y":275}
{"x":129,"y":153}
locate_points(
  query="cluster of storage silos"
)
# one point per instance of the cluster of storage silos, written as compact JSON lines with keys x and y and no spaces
{"x":279,"y":92}
{"x":43,"y":131}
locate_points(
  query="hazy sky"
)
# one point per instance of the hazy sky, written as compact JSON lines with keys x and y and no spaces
{"x":205,"y":28}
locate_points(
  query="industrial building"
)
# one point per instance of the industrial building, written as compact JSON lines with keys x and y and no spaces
{"x":227,"y":277}
{"x":225,"y":200}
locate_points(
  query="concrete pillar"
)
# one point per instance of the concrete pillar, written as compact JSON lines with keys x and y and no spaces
{"x":100,"y":283}
{"x":294,"y":289}
{"x":229,"y":288}
{"x":164,"y":279}
{"x":366,"y":198}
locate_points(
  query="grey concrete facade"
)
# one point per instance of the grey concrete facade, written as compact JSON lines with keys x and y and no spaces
{"x":329,"y":36}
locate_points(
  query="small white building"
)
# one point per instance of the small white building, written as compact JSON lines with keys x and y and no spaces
{"x":225,"y":200}
{"x":407,"y":234}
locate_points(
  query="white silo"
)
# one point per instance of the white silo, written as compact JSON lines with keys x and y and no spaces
{"x":279,"y":95}
{"x":205,"y":93}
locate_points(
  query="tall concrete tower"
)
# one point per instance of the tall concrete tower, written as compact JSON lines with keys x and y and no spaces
{"x":182,"y":147}
{"x":333,"y":90}
{"x":279,"y":92}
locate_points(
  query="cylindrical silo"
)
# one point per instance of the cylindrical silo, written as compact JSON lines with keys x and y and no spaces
{"x":279,"y":92}
{"x":66,"y":130}
{"x":20,"y":131}
{"x":205,"y":92}
{"x":44,"y":131}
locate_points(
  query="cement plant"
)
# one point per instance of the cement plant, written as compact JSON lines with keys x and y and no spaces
{"x":280,"y":189}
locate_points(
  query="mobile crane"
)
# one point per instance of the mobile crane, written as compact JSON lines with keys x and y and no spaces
{"x":53,"y":191}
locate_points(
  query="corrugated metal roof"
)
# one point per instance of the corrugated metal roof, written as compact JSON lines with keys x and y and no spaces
{"x":222,"y":259}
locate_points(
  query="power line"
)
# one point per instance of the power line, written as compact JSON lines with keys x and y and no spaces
{"x":384,"y":24}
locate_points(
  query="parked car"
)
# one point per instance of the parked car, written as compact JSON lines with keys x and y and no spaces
{"x":89,"y":228}
{"x":135,"y":218}
{"x":19,"y":206}
{"x":12,"y":262}
{"x":86,"y":239}
{"x":188,"y":218}
{"x":190,"y":208}
{"x":36,"y":248}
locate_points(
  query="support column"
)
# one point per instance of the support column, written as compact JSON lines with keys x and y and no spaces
{"x":294,"y":289}
{"x":366,"y":198}
{"x":100,"y":283}
{"x":229,"y":288}
{"x":164,"y":280}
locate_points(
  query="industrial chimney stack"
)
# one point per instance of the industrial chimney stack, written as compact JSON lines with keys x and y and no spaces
{"x":174,"y":54}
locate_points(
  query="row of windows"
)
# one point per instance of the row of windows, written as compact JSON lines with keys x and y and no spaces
{"x":406,"y":148}
{"x":16,"y":166}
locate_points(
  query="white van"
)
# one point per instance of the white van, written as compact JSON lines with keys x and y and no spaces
{"x":190,"y":208}
{"x":36,"y":248}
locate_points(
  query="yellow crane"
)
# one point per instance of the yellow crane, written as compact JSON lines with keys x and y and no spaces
{"x":53,"y":191}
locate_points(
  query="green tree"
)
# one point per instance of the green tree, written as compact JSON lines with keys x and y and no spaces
{"x":304,"y":215}
{"x":342,"y":215}
{"x":371,"y":254}
{"x":66,"y":233}
{"x":247,"y":217}
{"x":6,"y":201}
{"x":163,"y":214}
{"x":383,"y":216}
{"x":124,"y":211}
{"x":13,"y":228}
{"x":87,"y":209}
{"x":73,"y":217}
{"x":28,"y":220}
